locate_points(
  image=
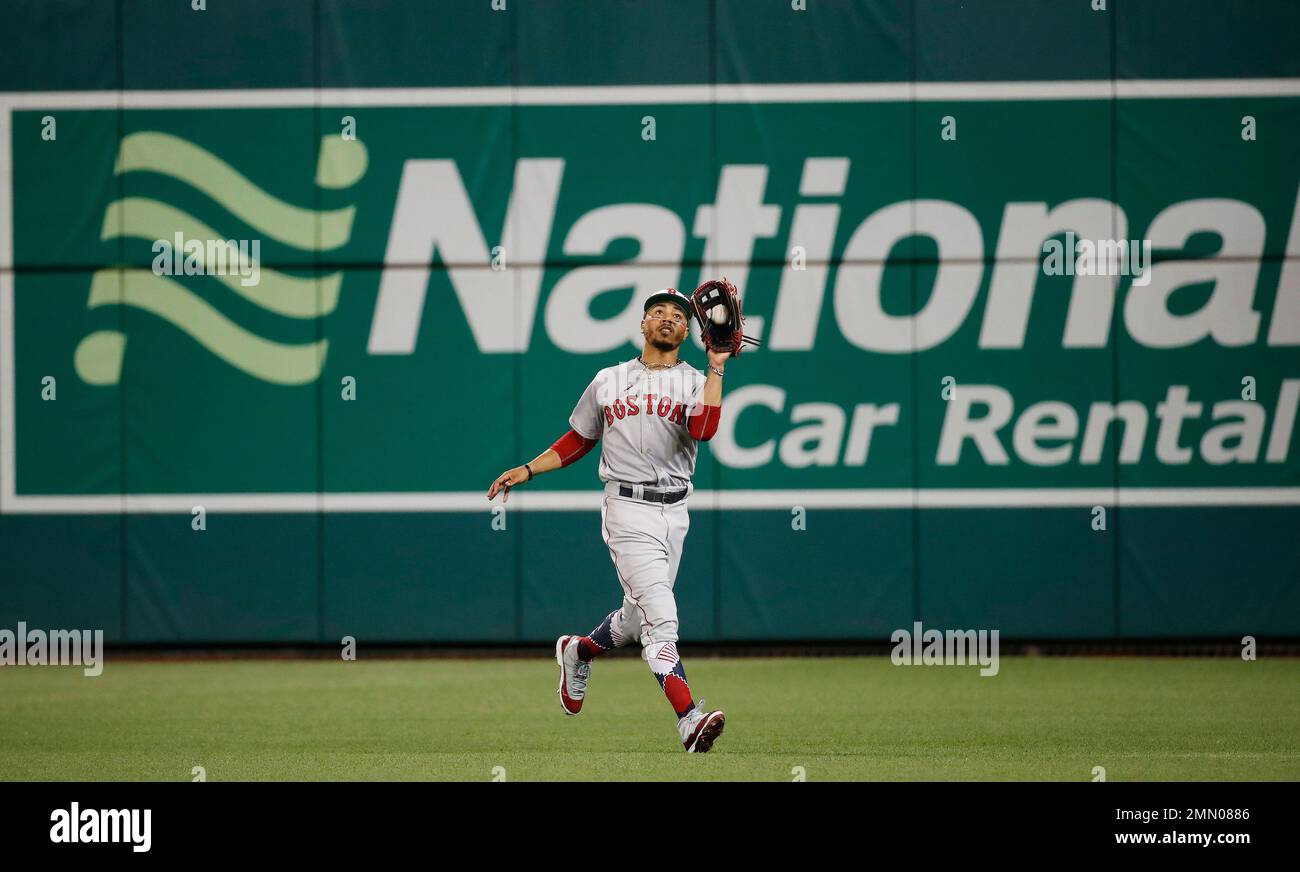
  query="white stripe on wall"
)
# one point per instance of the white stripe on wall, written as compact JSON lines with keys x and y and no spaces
{"x":561,"y":501}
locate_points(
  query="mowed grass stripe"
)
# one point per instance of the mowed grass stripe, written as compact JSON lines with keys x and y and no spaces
{"x":838,"y":718}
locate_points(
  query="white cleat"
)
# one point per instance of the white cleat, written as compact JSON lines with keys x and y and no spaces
{"x":573,"y":674}
{"x":700,"y":729}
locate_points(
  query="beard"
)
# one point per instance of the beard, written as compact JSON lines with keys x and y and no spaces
{"x":663,"y":343}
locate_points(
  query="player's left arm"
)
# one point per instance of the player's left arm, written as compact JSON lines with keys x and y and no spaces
{"x":703,"y":422}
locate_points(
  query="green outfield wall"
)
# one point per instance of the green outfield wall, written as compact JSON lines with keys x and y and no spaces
{"x":1027,"y":278}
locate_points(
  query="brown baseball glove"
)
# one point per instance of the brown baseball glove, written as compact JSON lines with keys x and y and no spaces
{"x":717,"y":308}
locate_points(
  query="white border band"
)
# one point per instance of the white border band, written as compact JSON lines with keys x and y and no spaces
{"x":570,"y":501}
{"x":616,"y":95}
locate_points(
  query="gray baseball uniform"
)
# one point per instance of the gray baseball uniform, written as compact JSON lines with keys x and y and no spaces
{"x":640,"y":416}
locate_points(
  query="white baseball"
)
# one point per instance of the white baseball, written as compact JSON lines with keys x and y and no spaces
{"x":718,"y":314}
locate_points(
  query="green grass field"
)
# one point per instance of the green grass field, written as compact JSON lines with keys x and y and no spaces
{"x":838,"y":718}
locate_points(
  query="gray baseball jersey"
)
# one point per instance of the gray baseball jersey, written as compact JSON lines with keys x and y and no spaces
{"x":640,"y":416}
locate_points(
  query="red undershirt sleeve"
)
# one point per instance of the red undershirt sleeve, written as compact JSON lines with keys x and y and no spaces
{"x":572,"y":446}
{"x":704,"y":423}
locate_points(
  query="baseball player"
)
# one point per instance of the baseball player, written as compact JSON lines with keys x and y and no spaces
{"x":649,"y":414}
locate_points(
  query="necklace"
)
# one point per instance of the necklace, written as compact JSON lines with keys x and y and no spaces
{"x":660,"y":365}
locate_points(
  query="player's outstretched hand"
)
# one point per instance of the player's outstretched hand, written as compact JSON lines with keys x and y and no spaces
{"x":507,"y":480}
{"x":718,"y":358}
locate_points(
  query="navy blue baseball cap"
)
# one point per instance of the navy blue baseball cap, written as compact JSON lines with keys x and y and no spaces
{"x":671,"y":295}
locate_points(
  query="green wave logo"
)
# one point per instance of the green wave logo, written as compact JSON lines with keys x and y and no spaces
{"x":342,"y":162}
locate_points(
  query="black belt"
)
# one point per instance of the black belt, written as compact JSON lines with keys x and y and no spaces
{"x":667,"y":497}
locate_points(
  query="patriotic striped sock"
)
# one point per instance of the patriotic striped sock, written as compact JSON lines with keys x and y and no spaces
{"x":671,"y":675}
{"x":601,"y":639}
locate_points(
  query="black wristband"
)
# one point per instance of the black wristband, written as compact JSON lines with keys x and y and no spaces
{"x":529,"y":467}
